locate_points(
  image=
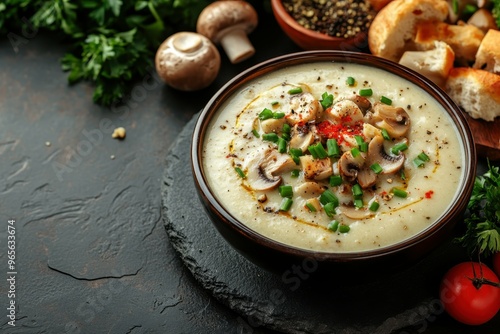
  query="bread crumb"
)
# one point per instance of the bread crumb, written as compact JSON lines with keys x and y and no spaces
{"x":119,"y":133}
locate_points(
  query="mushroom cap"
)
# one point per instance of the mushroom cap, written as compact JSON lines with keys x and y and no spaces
{"x":187,"y":61}
{"x":219,"y":17}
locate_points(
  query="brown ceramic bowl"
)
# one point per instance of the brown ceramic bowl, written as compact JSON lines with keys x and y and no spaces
{"x":308,"y":39}
{"x":279,"y":257}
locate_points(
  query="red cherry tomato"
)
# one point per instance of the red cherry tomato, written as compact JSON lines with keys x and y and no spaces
{"x":496,"y":263}
{"x":465,"y":298}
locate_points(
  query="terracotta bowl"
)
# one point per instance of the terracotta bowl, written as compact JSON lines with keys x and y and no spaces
{"x":279,"y":257}
{"x":308,"y":39}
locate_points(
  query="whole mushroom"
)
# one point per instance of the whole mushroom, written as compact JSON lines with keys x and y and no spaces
{"x":187,"y":61}
{"x":228,"y":23}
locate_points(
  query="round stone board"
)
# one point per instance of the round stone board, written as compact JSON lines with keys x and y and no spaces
{"x":296,"y":301}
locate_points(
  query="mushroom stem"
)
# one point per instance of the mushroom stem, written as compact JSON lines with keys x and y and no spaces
{"x":237,"y":45}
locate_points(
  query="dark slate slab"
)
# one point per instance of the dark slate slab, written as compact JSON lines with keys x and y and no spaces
{"x":297,"y":301}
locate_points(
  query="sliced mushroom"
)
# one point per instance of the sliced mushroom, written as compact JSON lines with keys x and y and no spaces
{"x":362,"y":102}
{"x":302,"y":136}
{"x":302,"y":108}
{"x":264,"y":171}
{"x":309,"y":189}
{"x":344,"y":111}
{"x":366,"y":177}
{"x":350,"y":166}
{"x":272,"y":125}
{"x":370,"y":132}
{"x":355,"y":213}
{"x":377,"y":154}
{"x":394,"y":119}
{"x":316,"y":169}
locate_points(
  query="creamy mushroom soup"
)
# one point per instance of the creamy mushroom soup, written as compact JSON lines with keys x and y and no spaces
{"x":333,"y":157}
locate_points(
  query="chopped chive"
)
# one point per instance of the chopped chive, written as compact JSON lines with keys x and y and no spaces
{"x":359,"y":139}
{"x":333,"y":225}
{"x":312,"y":150}
{"x":240,"y":172}
{"x":329,"y":209}
{"x":332,"y":147}
{"x":286,"y":204}
{"x":285,"y":136}
{"x":278,"y":115}
{"x":295,"y":173}
{"x":256,"y":133}
{"x":385,"y":100}
{"x":398,"y":148}
{"x":374,"y":206}
{"x":366,"y":92}
{"x":286,"y":191}
{"x":363,"y":147}
{"x":424,"y":157}
{"x":296,"y":90}
{"x":311,"y":207}
{"x":350,"y":81}
{"x":328,"y":197}
{"x":418,"y":162}
{"x":295,"y":153}
{"x":281,"y":145}
{"x":402,"y":174}
{"x":274,"y":103}
{"x":265,"y":114}
{"x":355,"y":152}
{"x":358,"y":203}
{"x":326,"y":100}
{"x":286,"y":128}
{"x":469,"y":9}
{"x":335,"y":180}
{"x":317,"y":151}
{"x":270,"y":137}
{"x":385,"y":134}
{"x":357,"y":192}
{"x":454,"y":5}
{"x":399,"y":192}
{"x":377,"y":168}
{"x":344,"y":228}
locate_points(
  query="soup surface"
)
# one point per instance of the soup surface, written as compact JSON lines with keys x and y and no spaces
{"x":333,"y":157}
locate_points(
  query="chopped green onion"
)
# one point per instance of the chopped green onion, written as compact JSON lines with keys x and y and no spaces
{"x":270,"y":137}
{"x":296,"y":90}
{"x":335,"y":180}
{"x":399,"y":192}
{"x":265,"y":114}
{"x":328,"y":197}
{"x":286,"y":191}
{"x":256,"y":133}
{"x":385,"y":134}
{"x":329,"y":209}
{"x":399,"y":147}
{"x":355,"y":152}
{"x":278,"y":115}
{"x":424,"y":157}
{"x":327,"y":100}
{"x":418,"y":162}
{"x":333,"y":225}
{"x":359,"y":139}
{"x":374,"y":206}
{"x":357,"y":192}
{"x":281,"y":145}
{"x":377,"y":168}
{"x":402,"y":174}
{"x":295,"y":173}
{"x":350,"y":81}
{"x":286,"y":128}
{"x":332,"y":147}
{"x":385,"y":100}
{"x":366,"y":92}
{"x":286,"y":204}
{"x":274,"y":103}
{"x":344,"y":228}
{"x":295,"y":153}
{"x":311,"y":207}
{"x":454,"y":6}
{"x":469,"y":9}
{"x":317,"y":151}
{"x":240,"y":172}
{"x":363,"y":147}
{"x":358,"y":203}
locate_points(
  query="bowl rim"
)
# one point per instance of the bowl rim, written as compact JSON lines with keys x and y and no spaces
{"x":276,"y":63}
{"x":280,"y":12}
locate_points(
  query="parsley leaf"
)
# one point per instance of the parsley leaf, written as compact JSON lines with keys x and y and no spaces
{"x":482,"y":234}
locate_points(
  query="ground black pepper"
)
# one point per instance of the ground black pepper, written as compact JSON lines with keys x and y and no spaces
{"x":343,"y":18}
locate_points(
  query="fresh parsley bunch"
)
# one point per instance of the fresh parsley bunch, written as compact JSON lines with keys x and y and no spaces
{"x":482,"y":234}
{"x":111,"y":42}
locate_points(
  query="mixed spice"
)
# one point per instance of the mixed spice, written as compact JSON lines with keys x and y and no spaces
{"x":344,"y":18}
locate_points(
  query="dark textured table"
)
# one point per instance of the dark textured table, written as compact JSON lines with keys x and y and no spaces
{"x":92,"y":255}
